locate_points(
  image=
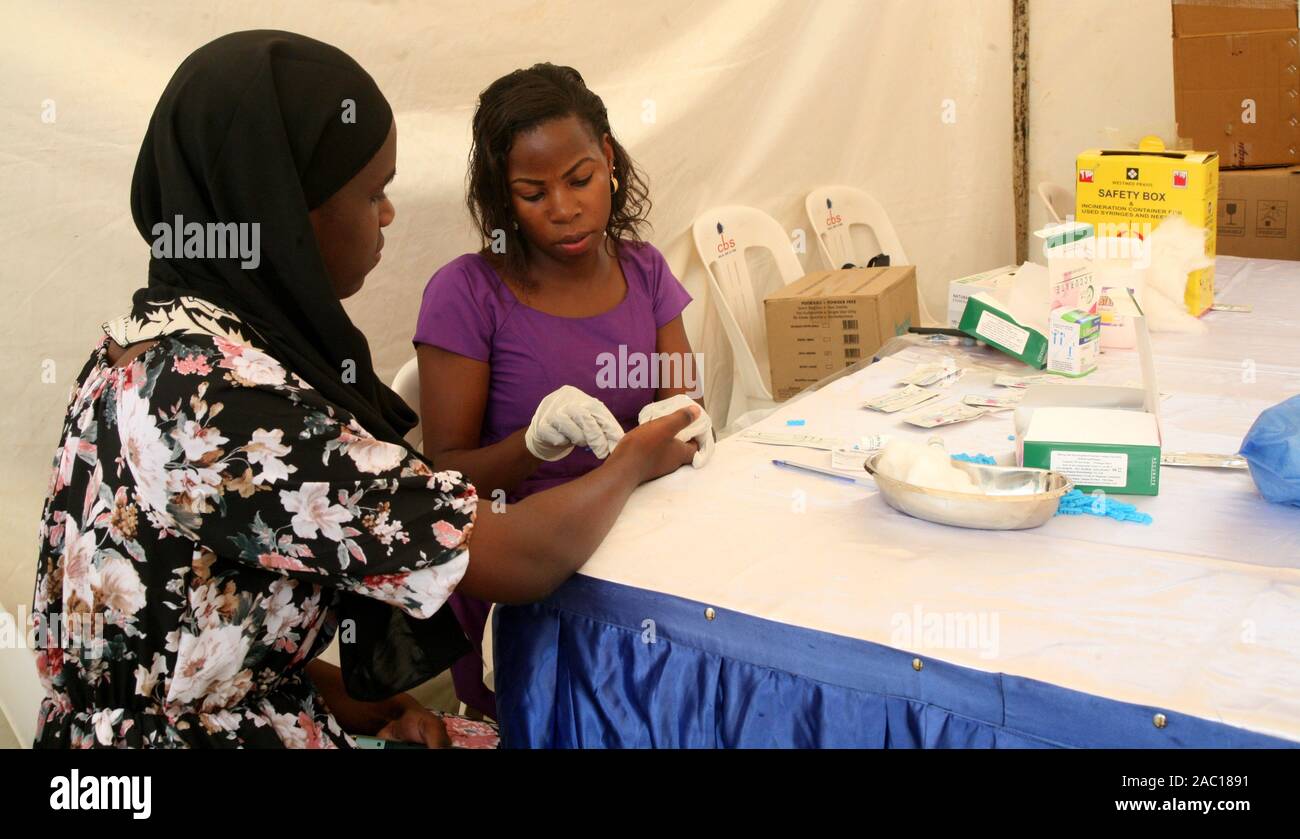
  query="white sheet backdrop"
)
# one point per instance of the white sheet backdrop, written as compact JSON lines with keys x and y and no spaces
{"x":744,"y":101}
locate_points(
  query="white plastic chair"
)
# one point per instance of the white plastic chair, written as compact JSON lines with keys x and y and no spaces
{"x":21,"y":691}
{"x":722,"y":235}
{"x":406,"y":384}
{"x":1058,"y":200}
{"x":832,"y":212}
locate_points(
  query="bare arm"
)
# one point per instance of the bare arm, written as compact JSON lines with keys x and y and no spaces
{"x":684,"y":375}
{"x":523,"y":553}
{"x":453,"y":397}
{"x":372,"y":718}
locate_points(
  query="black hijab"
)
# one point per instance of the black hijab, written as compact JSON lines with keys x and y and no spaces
{"x":261,"y":127}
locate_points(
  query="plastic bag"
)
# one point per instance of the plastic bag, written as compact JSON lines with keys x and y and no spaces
{"x":1272,"y":448}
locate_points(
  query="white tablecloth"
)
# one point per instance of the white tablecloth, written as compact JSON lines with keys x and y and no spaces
{"x":1198,"y":612}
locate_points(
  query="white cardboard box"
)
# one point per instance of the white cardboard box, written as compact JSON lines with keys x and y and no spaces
{"x":1096,"y":434}
{"x":960,"y":290}
{"x":1070,"y":250}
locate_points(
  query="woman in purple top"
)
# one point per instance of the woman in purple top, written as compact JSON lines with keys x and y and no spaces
{"x":563,"y":292}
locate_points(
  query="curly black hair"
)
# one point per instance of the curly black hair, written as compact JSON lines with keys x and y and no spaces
{"x":517,"y":103}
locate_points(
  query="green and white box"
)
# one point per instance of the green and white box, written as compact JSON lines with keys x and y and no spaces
{"x":991,"y":322}
{"x":1098,"y":448}
{"x":1074,"y":338}
{"x":960,"y":290}
{"x":1099,"y":436}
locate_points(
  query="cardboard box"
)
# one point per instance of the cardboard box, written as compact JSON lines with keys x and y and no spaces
{"x":960,"y":290}
{"x":1130,"y":191}
{"x":1100,"y":436}
{"x":1259,"y":213}
{"x":992,"y":322}
{"x":1236,"y":81}
{"x":1216,"y":17}
{"x":829,"y":320}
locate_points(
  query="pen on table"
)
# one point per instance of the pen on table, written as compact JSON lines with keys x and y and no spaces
{"x":817,"y":470}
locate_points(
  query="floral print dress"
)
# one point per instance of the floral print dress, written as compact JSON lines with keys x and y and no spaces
{"x":205,"y":510}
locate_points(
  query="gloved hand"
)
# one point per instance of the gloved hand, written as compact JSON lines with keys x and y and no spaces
{"x":567,"y":418}
{"x":701,"y":431}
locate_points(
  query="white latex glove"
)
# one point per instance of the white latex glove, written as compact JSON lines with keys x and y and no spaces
{"x":567,"y":418}
{"x":701,"y":431}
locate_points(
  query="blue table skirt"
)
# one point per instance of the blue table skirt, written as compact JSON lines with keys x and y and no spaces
{"x":606,"y":665}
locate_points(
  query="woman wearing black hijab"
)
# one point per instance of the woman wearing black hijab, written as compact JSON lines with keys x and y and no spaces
{"x":232,"y":487}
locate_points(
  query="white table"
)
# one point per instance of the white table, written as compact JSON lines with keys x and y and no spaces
{"x":1196,"y":614}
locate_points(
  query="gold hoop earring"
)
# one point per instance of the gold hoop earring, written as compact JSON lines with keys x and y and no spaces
{"x":614,"y":183}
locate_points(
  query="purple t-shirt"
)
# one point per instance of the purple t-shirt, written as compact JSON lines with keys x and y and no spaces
{"x":469,"y":310}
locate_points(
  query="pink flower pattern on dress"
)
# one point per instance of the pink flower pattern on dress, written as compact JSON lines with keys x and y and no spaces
{"x":205,"y":512}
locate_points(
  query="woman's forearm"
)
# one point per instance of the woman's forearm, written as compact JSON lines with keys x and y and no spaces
{"x":523,"y":553}
{"x":504,"y":465}
{"x":354,"y":716}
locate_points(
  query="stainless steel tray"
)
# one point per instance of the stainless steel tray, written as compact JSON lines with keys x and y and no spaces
{"x":1013,"y":498}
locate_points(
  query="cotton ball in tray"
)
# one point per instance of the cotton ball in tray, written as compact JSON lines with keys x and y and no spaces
{"x":926,"y":466}
{"x":897,"y":458}
{"x":934,"y":470}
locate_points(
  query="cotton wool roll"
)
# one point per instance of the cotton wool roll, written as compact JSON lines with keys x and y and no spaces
{"x":927,"y":466}
{"x":897,"y":459}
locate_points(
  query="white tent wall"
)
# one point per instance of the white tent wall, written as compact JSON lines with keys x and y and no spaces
{"x":1101,"y":75}
{"x":731,"y":102}
{"x":740,"y":101}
